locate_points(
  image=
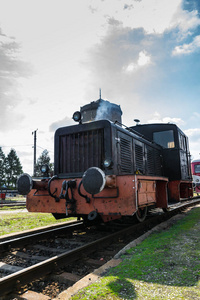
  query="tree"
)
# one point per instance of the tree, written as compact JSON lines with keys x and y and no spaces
{"x":13,"y":168}
{"x":44,"y":159}
{"x":2,"y":168}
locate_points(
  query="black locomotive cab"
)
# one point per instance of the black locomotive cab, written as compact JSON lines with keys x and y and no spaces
{"x":175,"y":151}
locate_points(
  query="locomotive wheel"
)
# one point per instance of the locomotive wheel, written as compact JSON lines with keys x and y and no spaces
{"x":166,"y":209}
{"x":141,"y":214}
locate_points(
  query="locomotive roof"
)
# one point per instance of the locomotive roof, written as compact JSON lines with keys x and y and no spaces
{"x":156,"y":127}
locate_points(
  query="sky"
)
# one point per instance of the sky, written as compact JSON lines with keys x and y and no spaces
{"x":55,"y":55}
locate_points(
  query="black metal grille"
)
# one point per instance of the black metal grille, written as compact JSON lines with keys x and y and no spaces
{"x":139,"y":158}
{"x":150,"y":162}
{"x":80,"y":151}
{"x":125,"y":153}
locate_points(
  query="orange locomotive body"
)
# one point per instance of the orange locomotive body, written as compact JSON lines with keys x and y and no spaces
{"x":104,"y":171}
{"x":122,"y":199}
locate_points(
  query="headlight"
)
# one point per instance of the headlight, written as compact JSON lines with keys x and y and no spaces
{"x":94,"y":180}
{"x":107,"y":163}
{"x":76,"y":116}
{"x":44,"y":169}
{"x":197,"y":180}
{"x":24,"y":184}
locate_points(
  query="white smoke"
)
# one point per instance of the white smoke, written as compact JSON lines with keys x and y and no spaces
{"x":104,"y":110}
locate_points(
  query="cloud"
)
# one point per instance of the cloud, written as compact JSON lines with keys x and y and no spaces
{"x":196,"y":114}
{"x":132,"y":68}
{"x":194,"y":141}
{"x":185,"y":20}
{"x":12,"y":68}
{"x":158,"y":119}
{"x":122,"y":49}
{"x":143,"y":60}
{"x":154,"y":16}
{"x":114,"y":22}
{"x":61,"y":123}
{"x":133,"y":63}
{"x":193,"y":133}
{"x":188,"y":48}
{"x":130,"y":6}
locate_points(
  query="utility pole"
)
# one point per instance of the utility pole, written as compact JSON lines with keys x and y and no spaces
{"x":34,"y":157}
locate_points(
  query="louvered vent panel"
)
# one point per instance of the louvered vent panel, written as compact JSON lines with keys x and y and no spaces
{"x":80,"y":151}
{"x":139,"y":158}
{"x":126,"y":162}
{"x":150,"y":162}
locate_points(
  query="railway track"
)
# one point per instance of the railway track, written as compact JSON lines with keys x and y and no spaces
{"x":12,"y":204}
{"x":65,"y":254}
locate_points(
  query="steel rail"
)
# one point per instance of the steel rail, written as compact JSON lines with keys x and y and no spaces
{"x":11,"y":282}
{"x":22,"y":239}
{"x":12,"y":204}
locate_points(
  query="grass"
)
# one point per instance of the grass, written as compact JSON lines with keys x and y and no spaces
{"x":18,"y":198}
{"x":15,"y":222}
{"x":164,"y":266}
{"x":11,"y":207}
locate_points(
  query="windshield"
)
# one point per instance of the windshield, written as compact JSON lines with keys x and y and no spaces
{"x":164,"y":138}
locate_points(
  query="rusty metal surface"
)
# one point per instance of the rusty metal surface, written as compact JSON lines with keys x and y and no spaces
{"x":109,"y":201}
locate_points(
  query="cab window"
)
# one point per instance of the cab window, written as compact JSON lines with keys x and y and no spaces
{"x":164,"y":138}
{"x":182,"y":141}
{"x":197,"y":168}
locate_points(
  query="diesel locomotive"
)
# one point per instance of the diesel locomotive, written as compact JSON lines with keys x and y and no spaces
{"x":104,"y":170}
